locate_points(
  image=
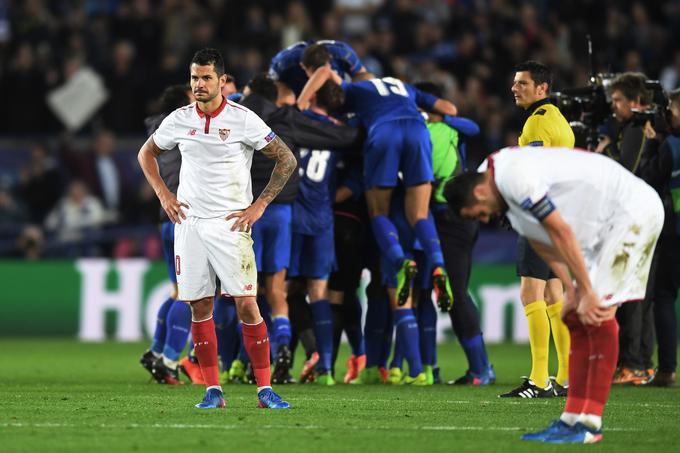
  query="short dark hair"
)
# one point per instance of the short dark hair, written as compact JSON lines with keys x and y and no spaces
{"x":632,"y":86}
{"x":262,"y":85}
{"x":459,"y":192}
{"x":209,"y":56}
{"x":432,"y":88}
{"x":315,"y":56}
{"x":174,"y":97}
{"x":540,"y":73}
{"x":330,"y":96}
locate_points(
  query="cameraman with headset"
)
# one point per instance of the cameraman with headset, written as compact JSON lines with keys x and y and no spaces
{"x":632,"y":141}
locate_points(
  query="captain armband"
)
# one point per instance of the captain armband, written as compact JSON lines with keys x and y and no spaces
{"x":541,"y":209}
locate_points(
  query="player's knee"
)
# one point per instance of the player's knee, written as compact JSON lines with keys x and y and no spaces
{"x":531,"y":290}
{"x":201,"y":309}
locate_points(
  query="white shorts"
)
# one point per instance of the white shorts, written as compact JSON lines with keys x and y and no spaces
{"x":206,"y":248}
{"x":619,"y":268}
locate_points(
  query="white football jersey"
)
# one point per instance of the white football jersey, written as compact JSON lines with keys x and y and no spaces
{"x":217,"y":152}
{"x":592,"y":192}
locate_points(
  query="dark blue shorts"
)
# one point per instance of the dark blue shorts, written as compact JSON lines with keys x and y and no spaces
{"x":168,"y":240}
{"x":529,"y":263}
{"x":398,"y":146}
{"x":313,"y":256}
{"x":272,"y":237}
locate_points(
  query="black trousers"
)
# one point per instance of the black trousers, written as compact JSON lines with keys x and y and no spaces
{"x":665,"y":291}
{"x":457,"y":238}
{"x":636,"y":326}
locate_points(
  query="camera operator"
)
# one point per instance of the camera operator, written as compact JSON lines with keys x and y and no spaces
{"x":631,"y":140}
{"x":632,"y":126}
{"x":662,"y":173}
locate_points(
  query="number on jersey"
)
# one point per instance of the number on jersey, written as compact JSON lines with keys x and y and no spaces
{"x":388,"y":85}
{"x":317,"y":164}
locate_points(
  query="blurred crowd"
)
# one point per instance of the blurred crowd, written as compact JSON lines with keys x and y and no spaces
{"x":77,"y":179}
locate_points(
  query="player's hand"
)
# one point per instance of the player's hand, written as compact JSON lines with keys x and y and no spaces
{"x":649,"y":131}
{"x":246,"y":218}
{"x":602,"y":144}
{"x":589,"y":310}
{"x":172,"y":206}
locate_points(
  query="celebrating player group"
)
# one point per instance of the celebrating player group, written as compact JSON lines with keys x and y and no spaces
{"x":278,"y":198}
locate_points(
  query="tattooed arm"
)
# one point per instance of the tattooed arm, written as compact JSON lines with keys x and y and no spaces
{"x":285,"y":166}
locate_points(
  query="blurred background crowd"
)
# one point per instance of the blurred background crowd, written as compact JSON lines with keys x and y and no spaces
{"x":78,"y":77}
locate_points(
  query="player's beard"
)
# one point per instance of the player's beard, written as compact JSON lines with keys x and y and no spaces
{"x":205,"y":97}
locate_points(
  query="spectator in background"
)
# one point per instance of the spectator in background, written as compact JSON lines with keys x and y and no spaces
{"x":40,"y":184}
{"x":75,"y":213}
{"x":124,"y":82}
{"x":12,"y":213}
{"x":30,"y":244}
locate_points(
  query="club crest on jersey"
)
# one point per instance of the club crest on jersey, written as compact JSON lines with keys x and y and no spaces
{"x":224,"y":133}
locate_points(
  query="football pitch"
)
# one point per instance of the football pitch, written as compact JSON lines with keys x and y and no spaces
{"x":58,"y":395}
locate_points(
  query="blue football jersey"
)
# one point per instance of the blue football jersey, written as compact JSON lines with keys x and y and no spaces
{"x":313,"y":208}
{"x":285,"y":66}
{"x":376,"y":101}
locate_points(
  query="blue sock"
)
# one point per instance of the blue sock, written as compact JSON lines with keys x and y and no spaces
{"x":407,"y":333}
{"x":281,"y":332}
{"x":179,"y":329}
{"x":353,"y":329}
{"x":377,"y":313}
{"x":322,"y":316}
{"x":398,"y":356}
{"x":158,"y":342}
{"x":427,"y":328}
{"x":429,"y":239}
{"x":225,"y":328}
{"x":475,"y":351}
{"x":387,"y":237}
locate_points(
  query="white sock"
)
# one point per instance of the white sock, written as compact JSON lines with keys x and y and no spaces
{"x":591,"y":421}
{"x":570,"y":418}
{"x":259,"y":389}
{"x":218,"y":387}
{"x":172,"y":364}
{"x":156,"y":354}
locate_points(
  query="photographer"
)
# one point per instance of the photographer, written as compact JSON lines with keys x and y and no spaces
{"x":632,"y":126}
{"x":666,"y":267}
{"x":631,"y":141}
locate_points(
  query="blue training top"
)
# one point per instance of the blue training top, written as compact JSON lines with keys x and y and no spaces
{"x":285,"y":66}
{"x":376,"y":101}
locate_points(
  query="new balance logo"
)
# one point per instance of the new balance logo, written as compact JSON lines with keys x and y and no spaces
{"x":191,"y":132}
{"x":248,"y":287}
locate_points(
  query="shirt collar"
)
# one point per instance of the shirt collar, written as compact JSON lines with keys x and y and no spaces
{"x":219,"y":109}
{"x":532,"y":108}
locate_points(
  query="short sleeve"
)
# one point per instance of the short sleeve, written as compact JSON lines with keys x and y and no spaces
{"x":165,"y":137}
{"x":535,"y":133}
{"x":257,"y":134}
{"x":525,"y":188}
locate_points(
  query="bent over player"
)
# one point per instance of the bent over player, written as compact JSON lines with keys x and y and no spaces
{"x":592,"y":221}
{"x":214,"y":214}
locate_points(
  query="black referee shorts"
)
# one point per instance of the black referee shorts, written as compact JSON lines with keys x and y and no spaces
{"x":529,"y":264}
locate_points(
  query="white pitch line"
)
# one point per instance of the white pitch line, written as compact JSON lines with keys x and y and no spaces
{"x":286,"y":427}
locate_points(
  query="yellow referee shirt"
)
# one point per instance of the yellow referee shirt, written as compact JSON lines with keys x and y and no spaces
{"x":546,"y":127}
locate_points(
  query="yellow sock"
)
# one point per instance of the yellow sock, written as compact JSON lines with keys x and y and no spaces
{"x":539,"y":339}
{"x":560,"y":333}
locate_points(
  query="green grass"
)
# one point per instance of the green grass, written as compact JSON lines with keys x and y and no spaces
{"x":58,"y":395}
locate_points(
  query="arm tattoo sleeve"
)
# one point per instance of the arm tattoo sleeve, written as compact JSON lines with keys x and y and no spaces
{"x":285,"y":165}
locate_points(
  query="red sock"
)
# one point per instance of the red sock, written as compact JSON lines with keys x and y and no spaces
{"x":205,"y":348}
{"x":604,"y":352}
{"x":256,"y":342}
{"x":578,"y":364}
